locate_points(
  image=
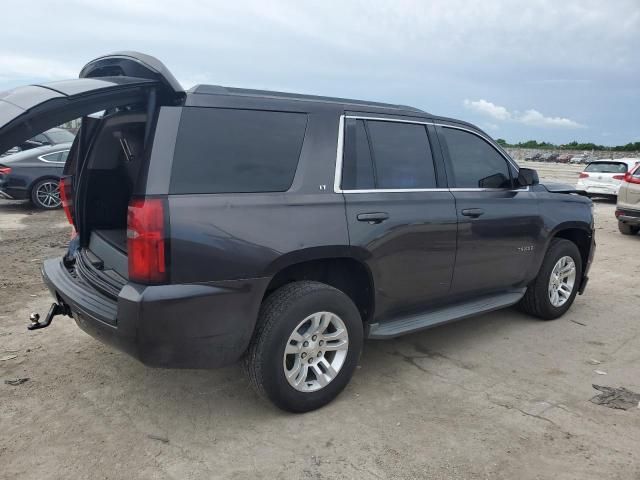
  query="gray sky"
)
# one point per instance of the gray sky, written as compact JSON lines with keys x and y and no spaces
{"x":540,"y":69}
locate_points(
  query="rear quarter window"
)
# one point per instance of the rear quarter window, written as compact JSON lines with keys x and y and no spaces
{"x":236,"y":151}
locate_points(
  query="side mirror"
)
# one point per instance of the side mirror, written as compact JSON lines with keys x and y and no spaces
{"x":527,"y":177}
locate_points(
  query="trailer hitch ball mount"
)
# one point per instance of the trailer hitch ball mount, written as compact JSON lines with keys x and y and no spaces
{"x":56,"y":309}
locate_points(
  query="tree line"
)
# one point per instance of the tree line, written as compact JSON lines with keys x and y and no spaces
{"x":629,"y":147}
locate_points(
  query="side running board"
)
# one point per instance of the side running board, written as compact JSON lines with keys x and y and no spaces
{"x":413,"y":323}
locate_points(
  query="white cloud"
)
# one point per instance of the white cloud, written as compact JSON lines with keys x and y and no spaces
{"x":530,"y":117}
{"x":536,"y":119}
{"x":488,"y":108}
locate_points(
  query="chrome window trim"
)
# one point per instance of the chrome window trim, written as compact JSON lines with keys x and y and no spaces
{"x":340,"y":151}
{"x":41,"y":157}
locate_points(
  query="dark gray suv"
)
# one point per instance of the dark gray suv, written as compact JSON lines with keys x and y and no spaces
{"x":221,"y":224}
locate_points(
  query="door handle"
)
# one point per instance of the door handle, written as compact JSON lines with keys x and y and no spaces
{"x":373,"y":218}
{"x":472,"y":212}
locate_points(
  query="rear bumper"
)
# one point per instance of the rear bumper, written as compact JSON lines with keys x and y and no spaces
{"x":625,"y":215}
{"x":598,"y":189}
{"x":175,"y":326}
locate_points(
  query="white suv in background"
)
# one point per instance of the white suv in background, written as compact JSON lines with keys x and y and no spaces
{"x":628,"y":208}
{"x":602,"y":178}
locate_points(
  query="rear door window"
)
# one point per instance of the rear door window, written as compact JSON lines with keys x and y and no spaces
{"x":240,"y":151}
{"x":387,"y":155}
{"x":475,"y":163}
{"x":606,"y":167}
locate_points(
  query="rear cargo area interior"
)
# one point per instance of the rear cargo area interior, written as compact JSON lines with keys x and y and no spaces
{"x":114,"y":164}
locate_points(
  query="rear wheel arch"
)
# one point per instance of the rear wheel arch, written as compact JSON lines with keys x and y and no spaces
{"x":39,"y":179}
{"x":347,"y":274}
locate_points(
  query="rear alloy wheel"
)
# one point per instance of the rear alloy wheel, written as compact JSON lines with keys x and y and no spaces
{"x":315,"y":352}
{"x":553,"y":291}
{"x":627,"y":229}
{"x":46,"y":194}
{"x":306,"y":346}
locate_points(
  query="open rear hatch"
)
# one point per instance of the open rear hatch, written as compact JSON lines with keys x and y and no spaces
{"x":108,"y":156}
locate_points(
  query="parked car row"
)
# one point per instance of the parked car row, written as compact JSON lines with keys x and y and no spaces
{"x":561,"y":158}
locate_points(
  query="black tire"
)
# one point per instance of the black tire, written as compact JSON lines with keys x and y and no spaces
{"x":536,"y":300}
{"x":279,"y":315}
{"x":627,"y":229}
{"x":42,"y":201}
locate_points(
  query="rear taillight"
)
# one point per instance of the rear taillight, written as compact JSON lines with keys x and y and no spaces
{"x":5,"y":170}
{"x":146,"y":240}
{"x":618,"y":213}
{"x":631,"y":178}
{"x":66,"y":196}
{"x":584,"y":175}
{"x":619,"y":177}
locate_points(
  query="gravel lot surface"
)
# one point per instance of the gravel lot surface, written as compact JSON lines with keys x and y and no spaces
{"x":497,"y":396}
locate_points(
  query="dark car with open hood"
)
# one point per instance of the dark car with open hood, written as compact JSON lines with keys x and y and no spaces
{"x":223,"y":224}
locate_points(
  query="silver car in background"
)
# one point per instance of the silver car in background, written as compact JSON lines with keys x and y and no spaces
{"x":628,"y":207}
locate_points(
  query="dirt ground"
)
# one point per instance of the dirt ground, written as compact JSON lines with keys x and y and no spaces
{"x":497,"y":396}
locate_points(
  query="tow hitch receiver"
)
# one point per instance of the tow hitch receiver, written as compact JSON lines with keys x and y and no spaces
{"x":56,"y":309}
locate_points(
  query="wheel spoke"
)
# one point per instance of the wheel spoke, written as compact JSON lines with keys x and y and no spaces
{"x":329,"y":370}
{"x":320,"y":376}
{"x":336,"y":345}
{"x":325,"y":319}
{"x":339,"y":334}
{"x":292,"y":349}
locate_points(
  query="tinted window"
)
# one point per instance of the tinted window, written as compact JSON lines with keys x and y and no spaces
{"x":222,"y":150}
{"x":357,"y":168}
{"x":607,"y":167}
{"x":401,"y":155}
{"x":475,"y":163}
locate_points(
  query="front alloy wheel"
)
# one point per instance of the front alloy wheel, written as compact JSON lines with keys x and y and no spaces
{"x":562,"y":281}
{"x":555,"y":287}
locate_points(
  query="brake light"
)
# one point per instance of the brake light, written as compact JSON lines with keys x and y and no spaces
{"x":66,"y":196}
{"x":633,"y":176}
{"x":619,"y":177}
{"x":584,"y":175}
{"x":5,"y":170}
{"x":146,"y":240}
